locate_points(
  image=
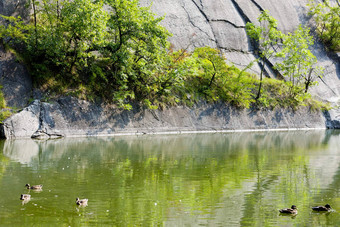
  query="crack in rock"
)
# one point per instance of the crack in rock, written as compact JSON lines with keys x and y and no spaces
{"x":257,"y":5}
{"x":202,"y":4}
{"x":206,"y":18}
{"x":327,"y":85}
{"x":240,"y":11}
{"x":254,"y":44}
{"x":42,"y":132}
{"x":228,"y":22}
{"x":235,"y":50}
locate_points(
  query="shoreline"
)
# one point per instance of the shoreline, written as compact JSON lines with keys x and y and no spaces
{"x":70,"y":117}
{"x":183,"y":132}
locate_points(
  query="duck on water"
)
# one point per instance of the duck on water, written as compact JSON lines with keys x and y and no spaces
{"x":34,"y":187}
{"x":292,"y":210}
{"x":81,"y":202}
{"x":327,"y":207}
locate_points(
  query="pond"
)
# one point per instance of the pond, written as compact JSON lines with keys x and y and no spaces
{"x":222,"y":179}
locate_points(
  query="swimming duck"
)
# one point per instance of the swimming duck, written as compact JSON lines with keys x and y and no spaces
{"x":34,"y":187}
{"x":292,"y":210}
{"x":81,"y":202}
{"x":327,"y":207}
{"x":25,"y":197}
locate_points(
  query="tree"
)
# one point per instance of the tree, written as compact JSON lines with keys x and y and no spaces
{"x":209,"y":75}
{"x":113,"y":53}
{"x":327,"y":18}
{"x":137,"y":50}
{"x":64,"y":39}
{"x":298,"y":64}
{"x":267,"y":37}
{"x":211,"y":62}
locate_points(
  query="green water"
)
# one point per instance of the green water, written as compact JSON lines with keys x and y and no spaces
{"x":232,"y":179}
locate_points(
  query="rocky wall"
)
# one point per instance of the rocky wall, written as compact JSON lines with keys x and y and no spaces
{"x":69,"y":116}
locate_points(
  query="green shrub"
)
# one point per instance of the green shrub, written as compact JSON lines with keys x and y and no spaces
{"x":2,"y":100}
{"x":4,"y":114}
{"x":327,"y":18}
{"x":4,"y":110}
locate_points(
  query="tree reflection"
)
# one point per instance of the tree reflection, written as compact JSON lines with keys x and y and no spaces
{"x":240,"y":178}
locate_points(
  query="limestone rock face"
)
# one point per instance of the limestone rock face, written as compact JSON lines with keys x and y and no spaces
{"x":23,"y":124}
{"x":16,"y":82}
{"x":221,"y":23}
{"x":69,"y":116}
{"x":13,"y":8}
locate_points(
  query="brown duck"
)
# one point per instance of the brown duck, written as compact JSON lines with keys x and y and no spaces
{"x":34,"y":187}
{"x":327,"y":207}
{"x":292,"y":210}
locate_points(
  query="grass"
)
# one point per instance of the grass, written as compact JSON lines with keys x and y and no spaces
{"x":5,"y":112}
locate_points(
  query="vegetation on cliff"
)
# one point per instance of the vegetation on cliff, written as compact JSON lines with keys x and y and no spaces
{"x":327,"y":18}
{"x":295,"y":61}
{"x":4,"y":110}
{"x":121,"y":54}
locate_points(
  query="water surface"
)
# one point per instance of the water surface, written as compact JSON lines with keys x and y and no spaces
{"x":231,"y":179}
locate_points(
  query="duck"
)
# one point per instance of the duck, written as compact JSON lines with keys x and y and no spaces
{"x":34,"y":187}
{"x":81,"y":202}
{"x":292,"y":210}
{"x":25,"y":197}
{"x":327,"y":207}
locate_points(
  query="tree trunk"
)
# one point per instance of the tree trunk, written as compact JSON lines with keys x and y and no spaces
{"x":260,"y":86}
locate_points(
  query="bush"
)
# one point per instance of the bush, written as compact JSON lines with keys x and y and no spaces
{"x":327,"y":18}
{"x":4,"y":110}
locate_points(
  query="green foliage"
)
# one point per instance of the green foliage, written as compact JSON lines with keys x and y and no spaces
{"x":317,"y":105}
{"x":274,"y":94}
{"x":267,"y":36}
{"x":4,"y":114}
{"x":298,"y":64}
{"x":208,"y":76}
{"x":277,"y":93}
{"x":327,"y":18}
{"x":138,"y":51}
{"x":116,"y":53}
{"x":15,"y":30}
{"x":4,"y":110}
{"x":67,"y":35}
{"x":2,"y":100}
{"x":121,"y":55}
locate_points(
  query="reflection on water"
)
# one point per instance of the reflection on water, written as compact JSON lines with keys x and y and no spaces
{"x":231,"y":179}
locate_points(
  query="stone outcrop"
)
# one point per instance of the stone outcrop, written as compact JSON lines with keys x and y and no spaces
{"x":193,"y":23}
{"x":16,"y":82}
{"x":69,"y":116}
{"x":14,"y":8}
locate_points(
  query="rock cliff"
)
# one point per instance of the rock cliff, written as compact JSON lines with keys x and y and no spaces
{"x":72,"y":117}
{"x":16,"y":82}
{"x":193,"y":23}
